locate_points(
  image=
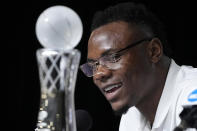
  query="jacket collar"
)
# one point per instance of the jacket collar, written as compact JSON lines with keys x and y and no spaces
{"x":167,"y":94}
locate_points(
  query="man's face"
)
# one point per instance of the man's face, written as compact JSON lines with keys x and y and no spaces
{"x":125,"y":85}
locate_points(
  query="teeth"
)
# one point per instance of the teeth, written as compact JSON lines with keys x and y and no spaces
{"x":111,"y":87}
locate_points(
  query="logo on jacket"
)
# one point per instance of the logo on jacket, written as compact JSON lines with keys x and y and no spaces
{"x":193,"y":96}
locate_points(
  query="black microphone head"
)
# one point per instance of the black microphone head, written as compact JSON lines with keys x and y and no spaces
{"x":178,"y":129}
{"x":83,"y":120}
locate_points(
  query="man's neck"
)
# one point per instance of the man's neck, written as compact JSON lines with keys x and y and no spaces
{"x":148,"y":106}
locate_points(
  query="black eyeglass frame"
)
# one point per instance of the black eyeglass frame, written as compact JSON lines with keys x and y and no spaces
{"x":118,"y":52}
{"x":131,"y":45}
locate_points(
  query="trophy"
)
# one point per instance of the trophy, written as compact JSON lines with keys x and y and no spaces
{"x":58,"y":29}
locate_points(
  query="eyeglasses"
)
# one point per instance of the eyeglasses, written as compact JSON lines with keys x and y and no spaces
{"x":109,"y":61}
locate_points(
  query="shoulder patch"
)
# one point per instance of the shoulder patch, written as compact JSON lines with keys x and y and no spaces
{"x":192,"y":97}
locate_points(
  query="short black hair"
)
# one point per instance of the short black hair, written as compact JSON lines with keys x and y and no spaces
{"x":133,"y":13}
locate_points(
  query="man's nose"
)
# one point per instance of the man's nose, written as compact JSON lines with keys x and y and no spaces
{"x":102,"y":73}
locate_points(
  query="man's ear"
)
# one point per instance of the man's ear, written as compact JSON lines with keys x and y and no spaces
{"x":155,"y":50}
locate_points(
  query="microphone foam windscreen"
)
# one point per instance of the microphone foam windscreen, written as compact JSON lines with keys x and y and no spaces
{"x":83,"y":120}
{"x":178,"y":129}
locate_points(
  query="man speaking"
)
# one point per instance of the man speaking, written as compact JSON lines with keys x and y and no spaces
{"x":129,"y":60}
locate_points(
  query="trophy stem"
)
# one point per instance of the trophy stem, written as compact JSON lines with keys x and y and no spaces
{"x":58,"y":73}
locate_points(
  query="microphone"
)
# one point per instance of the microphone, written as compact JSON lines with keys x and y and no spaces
{"x":83,"y":120}
{"x":182,"y":126}
{"x":188,"y":118}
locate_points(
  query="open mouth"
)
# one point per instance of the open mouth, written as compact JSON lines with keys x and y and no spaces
{"x":111,"y":91}
{"x":112,"y":88}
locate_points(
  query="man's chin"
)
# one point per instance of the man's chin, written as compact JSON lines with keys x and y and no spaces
{"x":121,"y":111}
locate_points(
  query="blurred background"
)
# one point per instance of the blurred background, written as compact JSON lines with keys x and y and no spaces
{"x":178,"y":18}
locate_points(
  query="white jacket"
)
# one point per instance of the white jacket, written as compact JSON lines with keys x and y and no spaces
{"x":180,"y":89}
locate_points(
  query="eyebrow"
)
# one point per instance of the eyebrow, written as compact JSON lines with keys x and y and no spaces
{"x":107,"y":52}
